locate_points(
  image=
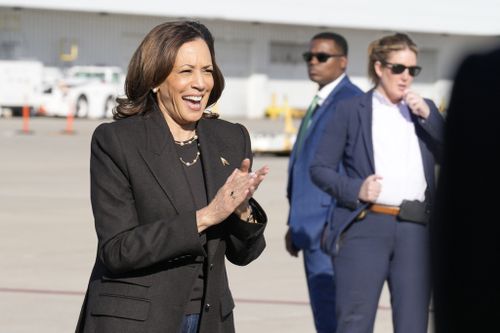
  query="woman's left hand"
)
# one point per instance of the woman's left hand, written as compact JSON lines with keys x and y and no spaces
{"x":417,"y":104}
{"x":258,"y":176}
{"x":232,"y":197}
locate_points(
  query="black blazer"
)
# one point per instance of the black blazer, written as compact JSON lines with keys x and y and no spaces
{"x":149,"y":250}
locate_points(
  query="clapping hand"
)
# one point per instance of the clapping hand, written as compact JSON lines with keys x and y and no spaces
{"x":233,"y":196}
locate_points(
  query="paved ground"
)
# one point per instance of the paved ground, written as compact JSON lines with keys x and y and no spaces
{"x":47,"y":240}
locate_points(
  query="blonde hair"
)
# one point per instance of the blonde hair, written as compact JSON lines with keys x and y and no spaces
{"x":380,"y":49}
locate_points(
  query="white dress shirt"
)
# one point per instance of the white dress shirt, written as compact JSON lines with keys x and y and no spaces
{"x":397,"y":155}
{"x":327,"y":89}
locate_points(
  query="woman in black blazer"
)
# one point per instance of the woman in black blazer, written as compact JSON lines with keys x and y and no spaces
{"x":171,"y":195}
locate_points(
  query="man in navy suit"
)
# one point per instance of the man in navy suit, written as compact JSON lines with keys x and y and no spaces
{"x":387,"y":141}
{"x":309,"y":206}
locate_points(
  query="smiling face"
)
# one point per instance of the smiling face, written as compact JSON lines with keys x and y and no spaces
{"x":394,"y":86}
{"x":184,"y":94}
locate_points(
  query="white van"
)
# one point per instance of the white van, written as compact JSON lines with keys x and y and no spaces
{"x":20,"y":85}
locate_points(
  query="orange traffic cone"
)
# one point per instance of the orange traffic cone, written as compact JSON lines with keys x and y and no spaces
{"x":69,"y":123}
{"x":26,"y":120}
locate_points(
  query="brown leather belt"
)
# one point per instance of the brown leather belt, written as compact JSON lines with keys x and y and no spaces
{"x":383,"y":209}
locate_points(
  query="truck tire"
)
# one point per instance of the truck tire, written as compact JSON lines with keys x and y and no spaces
{"x":109,"y":105}
{"x":82,"y":107}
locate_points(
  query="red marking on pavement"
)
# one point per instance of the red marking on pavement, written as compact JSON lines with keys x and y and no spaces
{"x":269,"y":301}
{"x":79,"y":293}
{"x":41,"y":291}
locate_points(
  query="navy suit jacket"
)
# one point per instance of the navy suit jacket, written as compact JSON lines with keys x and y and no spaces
{"x":309,"y":205}
{"x":348,"y":142}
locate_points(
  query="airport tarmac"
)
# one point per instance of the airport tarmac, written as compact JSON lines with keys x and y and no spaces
{"x":48,"y":243}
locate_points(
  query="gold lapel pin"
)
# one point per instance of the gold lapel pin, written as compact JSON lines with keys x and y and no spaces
{"x":224,"y":161}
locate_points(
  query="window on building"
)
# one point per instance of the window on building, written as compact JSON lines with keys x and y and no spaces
{"x":9,"y":49}
{"x":285,"y":61}
{"x":287,"y":53}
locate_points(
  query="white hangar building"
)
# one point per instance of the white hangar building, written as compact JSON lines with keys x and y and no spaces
{"x":258,"y":43}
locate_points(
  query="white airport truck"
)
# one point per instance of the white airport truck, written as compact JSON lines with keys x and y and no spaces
{"x":85,"y":92}
{"x":21,"y":84}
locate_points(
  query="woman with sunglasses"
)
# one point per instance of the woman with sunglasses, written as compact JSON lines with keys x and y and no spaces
{"x":387,"y":141}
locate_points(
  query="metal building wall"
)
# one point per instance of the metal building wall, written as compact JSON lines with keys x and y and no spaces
{"x":258,"y":59}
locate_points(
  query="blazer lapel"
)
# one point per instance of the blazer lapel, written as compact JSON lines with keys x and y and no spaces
{"x":365,"y":115}
{"x":427,"y":159}
{"x":161,"y":158}
{"x":212,"y":156}
{"x":215,"y":172}
{"x":326,"y":104}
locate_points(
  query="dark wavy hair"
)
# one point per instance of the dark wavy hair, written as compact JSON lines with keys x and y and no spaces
{"x":380,"y":49}
{"x":153,"y":61}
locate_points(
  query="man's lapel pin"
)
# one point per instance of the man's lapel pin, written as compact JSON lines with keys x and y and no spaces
{"x":224,"y":161}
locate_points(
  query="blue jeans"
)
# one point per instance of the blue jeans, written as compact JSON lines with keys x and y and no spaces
{"x":190,"y":323}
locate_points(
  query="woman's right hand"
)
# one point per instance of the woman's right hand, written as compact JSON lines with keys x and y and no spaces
{"x":237,"y":189}
{"x":370,"y":189}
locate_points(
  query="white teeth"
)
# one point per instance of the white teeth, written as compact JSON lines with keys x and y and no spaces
{"x":193,"y":98}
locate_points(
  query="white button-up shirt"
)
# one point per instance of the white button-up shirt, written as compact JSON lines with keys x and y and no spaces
{"x":327,"y":89}
{"x":397,"y":155}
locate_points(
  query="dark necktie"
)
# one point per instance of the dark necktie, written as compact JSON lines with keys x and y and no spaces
{"x":306,"y":122}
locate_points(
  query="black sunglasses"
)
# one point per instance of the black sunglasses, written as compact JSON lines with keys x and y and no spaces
{"x":398,"y":68}
{"x":321,"y":56}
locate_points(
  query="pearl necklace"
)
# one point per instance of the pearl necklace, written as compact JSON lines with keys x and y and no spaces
{"x":188,"y":164}
{"x":187,"y":142}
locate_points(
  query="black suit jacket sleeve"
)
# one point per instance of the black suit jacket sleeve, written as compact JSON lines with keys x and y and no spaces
{"x":125,"y":243}
{"x":431,"y":130}
{"x":245,"y":241}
